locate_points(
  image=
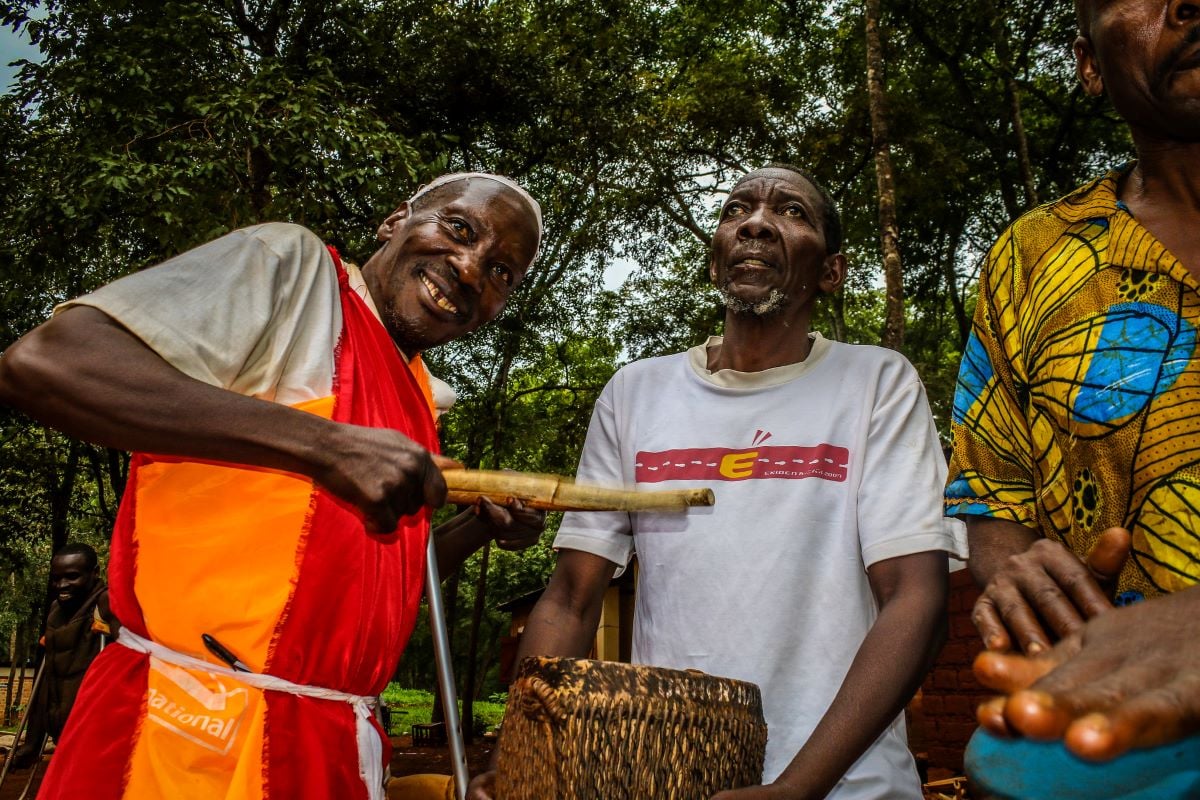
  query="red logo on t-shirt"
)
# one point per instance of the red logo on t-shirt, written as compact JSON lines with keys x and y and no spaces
{"x":826,"y":461}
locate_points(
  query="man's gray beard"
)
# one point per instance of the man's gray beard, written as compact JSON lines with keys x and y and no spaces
{"x":772,"y":303}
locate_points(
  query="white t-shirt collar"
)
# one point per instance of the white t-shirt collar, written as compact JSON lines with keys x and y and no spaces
{"x":733,"y":379}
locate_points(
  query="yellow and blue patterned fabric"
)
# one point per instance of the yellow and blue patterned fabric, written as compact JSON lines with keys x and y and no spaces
{"x":1078,"y":400}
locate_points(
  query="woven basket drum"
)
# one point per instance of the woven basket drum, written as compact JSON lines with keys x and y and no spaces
{"x":599,"y":730}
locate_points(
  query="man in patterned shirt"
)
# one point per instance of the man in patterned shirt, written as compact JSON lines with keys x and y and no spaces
{"x":1077,"y":419}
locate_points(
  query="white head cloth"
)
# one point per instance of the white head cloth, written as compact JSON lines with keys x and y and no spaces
{"x":442,"y":180}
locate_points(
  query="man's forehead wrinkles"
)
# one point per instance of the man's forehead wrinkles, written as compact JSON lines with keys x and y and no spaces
{"x":781,"y":179}
{"x":791,"y":190}
{"x":481,"y":207}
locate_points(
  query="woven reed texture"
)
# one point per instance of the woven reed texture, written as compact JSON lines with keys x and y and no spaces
{"x":576,"y":729}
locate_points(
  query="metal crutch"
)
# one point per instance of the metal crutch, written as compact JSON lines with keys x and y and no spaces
{"x":445,"y":670}
{"x":37,"y":680}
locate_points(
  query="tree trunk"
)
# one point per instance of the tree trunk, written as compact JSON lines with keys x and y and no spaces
{"x":1012,"y":101}
{"x":500,"y":392}
{"x":893,"y":276}
{"x":837,"y":314}
{"x":1013,"y":94}
{"x":961,"y":319}
{"x":468,"y":713}
{"x":107,"y":512}
{"x":260,"y":167}
{"x":118,"y":472}
{"x":62,"y":486}
{"x":12,"y":661}
{"x":488,"y":661}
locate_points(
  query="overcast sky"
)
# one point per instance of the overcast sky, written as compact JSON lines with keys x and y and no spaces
{"x":12,"y":47}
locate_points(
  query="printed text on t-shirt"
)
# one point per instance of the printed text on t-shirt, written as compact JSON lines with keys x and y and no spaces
{"x":826,"y":461}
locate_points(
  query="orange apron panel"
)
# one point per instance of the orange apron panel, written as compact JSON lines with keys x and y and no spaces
{"x":217,"y":551}
{"x":201,"y":739}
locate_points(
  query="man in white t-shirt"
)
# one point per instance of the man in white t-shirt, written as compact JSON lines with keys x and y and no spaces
{"x":267,"y":561}
{"x":821,"y":572}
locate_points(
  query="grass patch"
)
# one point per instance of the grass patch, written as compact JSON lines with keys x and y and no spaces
{"x":415,"y":707}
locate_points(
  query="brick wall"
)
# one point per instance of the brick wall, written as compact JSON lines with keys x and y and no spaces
{"x":20,"y":693}
{"x":950,"y":693}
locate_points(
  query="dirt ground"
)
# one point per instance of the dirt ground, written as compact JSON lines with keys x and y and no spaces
{"x":409,"y":760}
{"x":14,"y":784}
{"x":406,"y":760}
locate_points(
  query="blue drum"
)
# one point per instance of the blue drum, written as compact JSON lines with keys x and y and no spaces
{"x":1021,"y":769}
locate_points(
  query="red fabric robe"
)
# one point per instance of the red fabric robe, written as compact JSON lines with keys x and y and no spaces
{"x":282,"y":573}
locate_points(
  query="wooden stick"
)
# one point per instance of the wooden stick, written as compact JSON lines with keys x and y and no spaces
{"x":556,"y":493}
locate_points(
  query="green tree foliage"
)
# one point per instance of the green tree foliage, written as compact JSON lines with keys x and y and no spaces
{"x":147,"y":127}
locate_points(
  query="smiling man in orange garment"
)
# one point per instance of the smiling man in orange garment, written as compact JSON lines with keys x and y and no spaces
{"x":279,"y":495}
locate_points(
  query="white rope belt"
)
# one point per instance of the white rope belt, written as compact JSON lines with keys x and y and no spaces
{"x":370,"y":748}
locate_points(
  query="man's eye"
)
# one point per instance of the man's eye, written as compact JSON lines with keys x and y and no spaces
{"x":794,"y":210}
{"x":461,"y":228}
{"x":734,"y":211}
{"x":503,"y":273}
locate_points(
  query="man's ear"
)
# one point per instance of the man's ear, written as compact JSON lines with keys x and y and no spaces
{"x":1086,"y":67}
{"x":388,"y":228}
{"x":833,"y":273}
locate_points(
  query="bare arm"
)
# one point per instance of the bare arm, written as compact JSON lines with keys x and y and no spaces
{"x":992,"y":542}
{"x":1027,"y":579}
{"x":563,"y":623}
{"x":893,"y":658}
{"x":85,"y":374}
{"x":513,"y":527}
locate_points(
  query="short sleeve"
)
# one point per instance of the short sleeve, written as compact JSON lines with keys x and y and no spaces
{"x":605,"y":533}
{"x":991,"y":471}
{"x":900,"y":493}
{"x":255,"y":311}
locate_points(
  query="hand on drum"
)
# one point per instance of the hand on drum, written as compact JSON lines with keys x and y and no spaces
{"x":514,"y":527}
{"x":1128,"y":678}
{"x":1046,"y":593}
